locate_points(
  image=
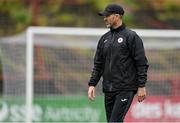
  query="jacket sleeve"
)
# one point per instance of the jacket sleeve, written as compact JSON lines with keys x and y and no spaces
{"x":98,"y":65}
{"x":140,"y":60}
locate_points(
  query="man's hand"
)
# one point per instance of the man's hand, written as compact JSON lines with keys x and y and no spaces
{"x":141,"y":94}
{"x":91,"y":93}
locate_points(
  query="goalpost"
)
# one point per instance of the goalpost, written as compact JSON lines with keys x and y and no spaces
{"x":29,"y":53}
{"x":53,"y":72}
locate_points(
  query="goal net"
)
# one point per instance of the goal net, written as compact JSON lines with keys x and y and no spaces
{"x":44,"y":74}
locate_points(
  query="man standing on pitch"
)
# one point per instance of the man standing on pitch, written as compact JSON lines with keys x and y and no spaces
{"x":120,"y":59}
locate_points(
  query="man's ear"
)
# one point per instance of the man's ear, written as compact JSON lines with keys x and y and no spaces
{"x":121,"y":16}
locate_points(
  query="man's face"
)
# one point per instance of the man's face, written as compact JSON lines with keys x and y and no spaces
{"x":111,"y":20}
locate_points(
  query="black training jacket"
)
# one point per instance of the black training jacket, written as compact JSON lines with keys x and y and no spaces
{"x":120,"y":59}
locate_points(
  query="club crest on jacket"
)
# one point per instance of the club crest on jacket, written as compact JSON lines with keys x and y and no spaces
{"x":120,"y":40}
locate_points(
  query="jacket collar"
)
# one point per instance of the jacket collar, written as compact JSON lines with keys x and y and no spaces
{"x":120,"y":28}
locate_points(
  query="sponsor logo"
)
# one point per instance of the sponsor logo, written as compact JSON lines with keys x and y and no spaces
{"x":16,"y":112}
{"x":156,"y":110}
{"x":122,"y":100}
{"x":105,"y":41}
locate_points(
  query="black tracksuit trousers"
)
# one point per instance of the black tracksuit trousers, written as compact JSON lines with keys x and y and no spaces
{"x":117,"y":105}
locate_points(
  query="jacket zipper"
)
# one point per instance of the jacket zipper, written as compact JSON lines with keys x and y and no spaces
{"x":110,"y":64}
{"x":111,"y":44}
